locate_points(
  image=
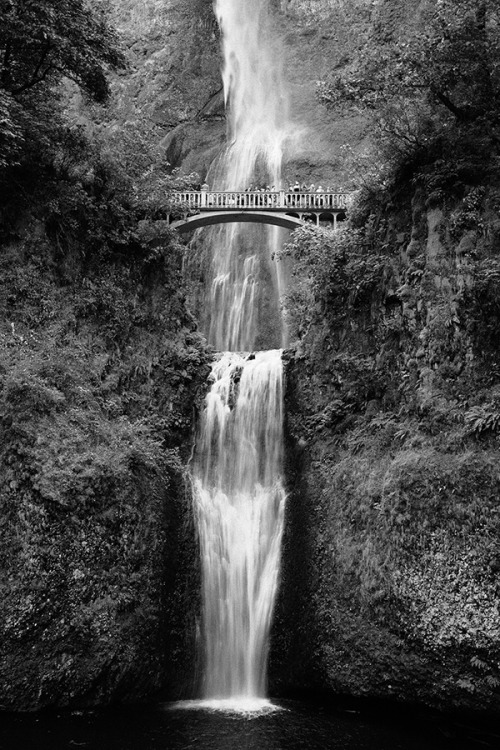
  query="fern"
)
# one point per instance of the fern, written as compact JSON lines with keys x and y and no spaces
{"x":493,"y":682}
{"x":479,"y":664}
{"x":466,"y":685}
{"x":482,"y":419}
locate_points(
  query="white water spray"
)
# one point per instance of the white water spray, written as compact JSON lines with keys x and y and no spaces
{"x":255,"y":93}
{"x":237,"y":474}
{"x":239,"y":508}
{"x":258,"y":130}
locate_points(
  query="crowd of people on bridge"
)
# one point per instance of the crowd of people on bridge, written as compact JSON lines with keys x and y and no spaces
{"x":296,"y":195}
{"x":316,"y":201}
{"x":296,"y":188}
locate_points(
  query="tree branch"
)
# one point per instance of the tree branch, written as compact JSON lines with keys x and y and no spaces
{"x":36,"y":78}
{"x":460,"y":114}
{"x":5,"y":64}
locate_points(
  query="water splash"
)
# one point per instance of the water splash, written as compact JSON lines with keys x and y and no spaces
{"x":249,"y":707}
{"x":239,"y":511}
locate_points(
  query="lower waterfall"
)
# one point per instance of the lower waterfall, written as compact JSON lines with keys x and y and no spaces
{"x":239,"y":506}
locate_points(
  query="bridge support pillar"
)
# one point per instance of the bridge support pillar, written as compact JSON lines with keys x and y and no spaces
{"x":334,"y":222}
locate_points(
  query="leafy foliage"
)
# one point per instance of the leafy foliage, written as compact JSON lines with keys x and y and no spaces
{"x":333,"y":272}
{"x":483,"y":419}
{"x":138,"y":162}
{"x":42,"y":45}
{"x":40,"y":42}
{"x":455,"y":63}
{"x":398,"y":449}
{"x":10,"y":130}
{"x":440,"y":86}
{"x":482,"y":303}
{"x":99,"y":372}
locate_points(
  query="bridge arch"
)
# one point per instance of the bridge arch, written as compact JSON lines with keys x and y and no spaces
{"x":288,"y":221}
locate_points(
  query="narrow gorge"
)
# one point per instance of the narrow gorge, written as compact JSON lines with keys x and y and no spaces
{"x":250,"y":468}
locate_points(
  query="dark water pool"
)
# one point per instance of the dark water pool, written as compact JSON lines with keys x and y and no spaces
{"x":296,"y":726}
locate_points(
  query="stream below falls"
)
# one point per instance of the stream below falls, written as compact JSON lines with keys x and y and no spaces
{"x":294,"y":726}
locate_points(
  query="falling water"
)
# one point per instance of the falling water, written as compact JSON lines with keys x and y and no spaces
{"x":246,"y":284}
{"x":254,"y":90}
{"x":240,"y":506}
{"x":237,"y":473}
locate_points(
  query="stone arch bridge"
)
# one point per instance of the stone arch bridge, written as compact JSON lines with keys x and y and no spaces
{"x":281,"y":208}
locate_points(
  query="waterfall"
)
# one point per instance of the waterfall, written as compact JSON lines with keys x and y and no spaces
{"x":254,"y":91}
{"x":246,"y":283}
{"x":237,"y":469}
{"x":239,"y":509}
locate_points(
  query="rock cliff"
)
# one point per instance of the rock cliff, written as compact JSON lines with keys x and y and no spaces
{"x":391,"y":556}
{"x":390,"y":564}
{"x":100,"y":373}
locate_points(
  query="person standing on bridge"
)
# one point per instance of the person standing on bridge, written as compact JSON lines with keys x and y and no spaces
{"x":296,"y":191}
{"x":312,"y":189}
{"x":204,"y":191}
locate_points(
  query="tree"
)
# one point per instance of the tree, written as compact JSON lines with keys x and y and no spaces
{"x":43,"y":40}
{"x":10,"y":132}
{"x":450,"y":70}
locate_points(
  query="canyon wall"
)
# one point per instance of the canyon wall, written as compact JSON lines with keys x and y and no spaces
{"x":101,"y":372}
{"x":390,"y":563}
{"x":391,"y":557}
{"x":390,"y":584}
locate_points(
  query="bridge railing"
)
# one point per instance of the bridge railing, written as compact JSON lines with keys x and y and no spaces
{"x":278,"y":200}
{"x":315,"y":201}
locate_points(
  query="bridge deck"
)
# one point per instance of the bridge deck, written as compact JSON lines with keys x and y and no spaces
{"x":279,"y":201}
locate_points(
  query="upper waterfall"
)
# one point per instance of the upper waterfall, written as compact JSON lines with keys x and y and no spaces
{"x":243,"y":308}
{"x":255,"y":93}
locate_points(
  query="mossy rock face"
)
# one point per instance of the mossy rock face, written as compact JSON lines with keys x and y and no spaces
{"x":82,"y":584}
{"x":390,"y":565}
{"x":99,"y":381}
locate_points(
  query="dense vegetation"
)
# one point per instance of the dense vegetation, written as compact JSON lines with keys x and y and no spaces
{"x":391,"y":561}
{"x":100,"y":364}
{"x":435,"y":104}
{"x":393,"y":405}
{"x":432,"y":89}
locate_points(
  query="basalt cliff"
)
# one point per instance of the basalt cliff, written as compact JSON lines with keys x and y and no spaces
{"x":390,"y":579}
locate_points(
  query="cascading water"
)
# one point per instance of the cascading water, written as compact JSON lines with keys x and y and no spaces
{"x":246,"y":283}
{"x":237,"y":472}
{"x":239,"y":508}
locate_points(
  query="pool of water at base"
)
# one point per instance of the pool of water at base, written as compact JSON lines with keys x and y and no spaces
{"x":295,"y":726}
